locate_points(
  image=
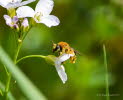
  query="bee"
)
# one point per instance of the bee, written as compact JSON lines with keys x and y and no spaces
{"x":63,"y":47}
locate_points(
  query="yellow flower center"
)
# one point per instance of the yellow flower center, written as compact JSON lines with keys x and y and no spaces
{"x":38,"y":16}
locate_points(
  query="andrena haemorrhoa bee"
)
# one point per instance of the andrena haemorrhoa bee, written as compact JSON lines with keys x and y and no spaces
{"x":64,"y":48}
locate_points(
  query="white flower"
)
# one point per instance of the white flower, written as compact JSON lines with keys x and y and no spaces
{"x":60,"y":68}
{"x":14,"y":3}
{"x":41,"y":13}
{"x":12,"y":22}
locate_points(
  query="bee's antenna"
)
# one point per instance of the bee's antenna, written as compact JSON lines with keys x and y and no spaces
{"x":52,"y":42}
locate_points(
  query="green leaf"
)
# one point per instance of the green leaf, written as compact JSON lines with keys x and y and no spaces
{"x":27,"y":87}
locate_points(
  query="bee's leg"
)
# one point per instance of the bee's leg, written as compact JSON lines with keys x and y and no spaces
{"x":60,"y":53}
{"x":73,"y":59}
{"x":63,"y":62}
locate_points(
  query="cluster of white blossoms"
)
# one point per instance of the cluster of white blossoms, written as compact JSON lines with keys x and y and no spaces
{"x":17,"y":18}
{"x":41,"y":14}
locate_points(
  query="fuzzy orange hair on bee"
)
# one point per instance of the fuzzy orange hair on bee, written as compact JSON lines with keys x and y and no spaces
{"x":64,"y":47}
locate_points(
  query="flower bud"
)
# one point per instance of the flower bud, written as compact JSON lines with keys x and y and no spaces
{"x":25,"y":25}
{"x":19,"y":40}
{"x":15,"y":26}
{"x":12,"y":22}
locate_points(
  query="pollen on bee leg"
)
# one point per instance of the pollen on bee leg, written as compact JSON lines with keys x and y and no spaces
{"x":73,"y":59}
{"x":60,"y":53}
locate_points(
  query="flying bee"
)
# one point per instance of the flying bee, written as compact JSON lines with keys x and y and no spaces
{"x":63,"y":47}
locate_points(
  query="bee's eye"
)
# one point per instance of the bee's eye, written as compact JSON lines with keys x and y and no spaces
{"x":57,"y":47}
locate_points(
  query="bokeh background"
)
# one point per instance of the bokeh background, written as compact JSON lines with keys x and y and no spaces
{"x":86,"y":25}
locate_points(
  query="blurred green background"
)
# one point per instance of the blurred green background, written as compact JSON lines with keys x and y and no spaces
{"x":86,"y":25}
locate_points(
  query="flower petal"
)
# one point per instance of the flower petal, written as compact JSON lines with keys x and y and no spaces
{"x":15,"y":26}
{"x":15,"y":19}
{"x":25,"y":11}
{"x":44,"y":6}
{"x":64,"y":57}
{"x":3,"y":3}
{"x":8,"y":19}
{"x":25,"y":3}
{"x":12,"y":3}
{"x":61,"y":72}
{"x":50,"y":20}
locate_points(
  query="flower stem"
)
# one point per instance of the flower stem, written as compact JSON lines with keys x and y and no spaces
{"x":17,"y":52}
{"x":29,"y":56}
{"x":106,"y":75}
{"x":9,"y":74}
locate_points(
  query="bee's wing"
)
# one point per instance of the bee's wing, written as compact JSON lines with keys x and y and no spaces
{"x":77,"y":52}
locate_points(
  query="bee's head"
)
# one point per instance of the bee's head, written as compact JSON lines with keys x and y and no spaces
{"x":56,"y":47}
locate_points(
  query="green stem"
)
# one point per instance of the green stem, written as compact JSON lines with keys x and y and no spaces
{"x":9,"y":74}
{"x":19,"y":43}
{"x":2,"y":87}
{"x":6,"y":70}
{"x":106,"y":75}
{"x":29,"y":56}
{"x":17,"y":52}
{"x":25,"y":34}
